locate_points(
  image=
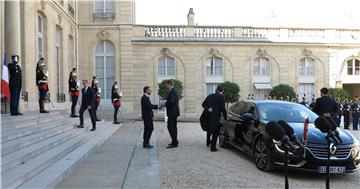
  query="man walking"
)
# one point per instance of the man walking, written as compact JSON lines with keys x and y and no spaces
{"x":147,"y":116}
{"x":15,"y":82}
{"x":325,"y":105}
{"x":215,"y":105}
{"x":172,"y":112}
{"x":87,"y":103}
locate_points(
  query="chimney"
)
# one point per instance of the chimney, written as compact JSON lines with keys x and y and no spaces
{"x":190,"y":17}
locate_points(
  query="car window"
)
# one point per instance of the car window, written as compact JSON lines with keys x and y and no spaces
{"x":287,"y":112}
{"x":236,"y":108}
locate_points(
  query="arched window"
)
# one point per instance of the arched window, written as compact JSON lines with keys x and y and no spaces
{"x":104,"y":66}
{"x":353,"y":67}
{"x":58,"y":61}
{"x":166,"y":67}
{"x":261,"y":66}
{"x":306,"y":67}
{"x":40,"y":37}
{"x":214,"y":67}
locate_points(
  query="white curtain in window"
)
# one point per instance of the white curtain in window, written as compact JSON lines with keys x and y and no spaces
{"x":40,"y":37}
{"x":104,"y":67}
{"x":104,"y":6}
{"x":214,"y":67}
{"x":166,"y":67}
{"x":308,"y":89}
{"x":306,"y":67}
{"x":211,"y":87}
{"x":261,"y":66}
{"x":58,"y":51}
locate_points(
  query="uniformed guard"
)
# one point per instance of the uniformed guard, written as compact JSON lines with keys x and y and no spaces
{"x":339,"y":113}
{"x":346,"y":112}
{"x":74,"y":90}
{"x":15,"y":82}
{"x":303,"y":102}
{"x":97,"y":91}
{"x":355,"y":113}
{"x":42,"y":84}
{"x":115,"y":98}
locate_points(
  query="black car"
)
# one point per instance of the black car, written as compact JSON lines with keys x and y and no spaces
{"x":245,"y":130}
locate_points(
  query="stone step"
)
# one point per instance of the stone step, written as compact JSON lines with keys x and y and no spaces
{"x":14,"y":134}
{"x":30,"y":123}
{"x":27,"y":116}
{"x":21,"y":173}
{"x":54,"y":174}
{"x":20,"y":143}
{"x":20,"y":157}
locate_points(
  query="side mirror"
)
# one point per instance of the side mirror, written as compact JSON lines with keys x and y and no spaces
{"x":248,"y":116}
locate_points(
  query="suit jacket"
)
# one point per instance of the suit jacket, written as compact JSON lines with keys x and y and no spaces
{"x":172,"y":103}
{"x":217,"y":102}
{"x":147,"y":108}
{"x":15,"y":79}
{"x":325,"y":104}
{"x":88,"y":97}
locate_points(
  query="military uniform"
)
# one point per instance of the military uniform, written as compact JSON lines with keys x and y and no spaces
{"x":97,"y":91}
{"x":74,"y":90}
{"x":42,"y":84}
{"x":355,"y":115}
{"x":115,"y":99}
{"x":15,"y":83}
{"x":346,"y":112}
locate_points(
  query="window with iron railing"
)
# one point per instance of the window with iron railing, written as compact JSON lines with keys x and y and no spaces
{"x":104,"y":10}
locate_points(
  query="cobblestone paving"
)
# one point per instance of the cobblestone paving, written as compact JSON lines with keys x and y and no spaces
{"x":192,"y":165}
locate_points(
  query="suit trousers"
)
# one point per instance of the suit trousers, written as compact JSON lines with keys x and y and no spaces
{"x":74,"y":100}
{"x":355,"y":120}
{"x":14,"y":99}
{"x":214,"y":134}
{"x":172,"y":127}
{"x":91,"y":113}
{"x":95,"y":110}
{"x":148,"y":129}
{"x":346,"y":120}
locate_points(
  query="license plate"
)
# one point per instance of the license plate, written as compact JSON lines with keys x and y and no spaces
{"x":322,"y":169}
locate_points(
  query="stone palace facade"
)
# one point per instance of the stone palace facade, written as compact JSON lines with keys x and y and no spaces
{"x":101,"y":38}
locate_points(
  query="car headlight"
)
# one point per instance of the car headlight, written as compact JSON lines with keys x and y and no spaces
{"x":356,"y":150}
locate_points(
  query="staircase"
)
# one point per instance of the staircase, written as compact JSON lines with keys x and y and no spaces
{"x":40,"y":150}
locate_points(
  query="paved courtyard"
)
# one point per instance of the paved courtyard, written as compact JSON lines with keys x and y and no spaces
{"x":122,"y":163}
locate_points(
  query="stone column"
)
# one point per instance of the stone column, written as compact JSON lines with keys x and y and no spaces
{"x":12,"y":28}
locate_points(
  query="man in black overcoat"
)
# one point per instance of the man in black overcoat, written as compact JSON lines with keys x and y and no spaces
{"x":172,"y":112}
{"x":215,"y":105}
{"x":147,"y":115}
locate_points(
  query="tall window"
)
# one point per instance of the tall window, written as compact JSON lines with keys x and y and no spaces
{"x":306,"y":67}
{"x":353,"y":67}
{"x":58,"y":51}
{"x":40,"y":37}
{"x":215,"y":67}
{"x":166,"y":67}
{"x":104,"y":9}
{"x":104,"y":66}
{"x":261,"y":66}
{"x":71,"y":53}
{"x":211,"y":87}
{"x":308,"y":89}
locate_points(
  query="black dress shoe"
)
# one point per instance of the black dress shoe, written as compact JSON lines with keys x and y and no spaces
{"x":172,"y":146}
{"x":214,"y":150}
{"x":147,"y":146}
{"x":19,"y":113}
{"x":207,"y":143}
{"x":74,"y":115}
{"x":44,"y":111}
{"x":98,"y":119}
{"x":93,"y":129}
{"x":80,"y":126}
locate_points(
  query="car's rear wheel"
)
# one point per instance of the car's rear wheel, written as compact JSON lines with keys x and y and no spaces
{"x":262,"y":156}
{"x":223,"y":138}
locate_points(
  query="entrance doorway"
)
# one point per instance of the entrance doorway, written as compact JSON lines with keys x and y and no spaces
{"x":353,"y":89}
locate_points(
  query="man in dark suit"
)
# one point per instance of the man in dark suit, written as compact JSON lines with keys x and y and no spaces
{"x":15,"y":82}
{"x":87,"y":103}
{"x":172,"y":112}
{"x":215,"y":105}
{"x":147,"y":116}
{"x":325,"y":105}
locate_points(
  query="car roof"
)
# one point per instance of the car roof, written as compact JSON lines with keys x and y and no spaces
{"x":268,"y":102}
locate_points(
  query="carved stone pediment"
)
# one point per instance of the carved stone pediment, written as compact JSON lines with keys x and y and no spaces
{"x":103,"y":35}
{"x":42,"y":5}
{"x":261,"y":52}
{"x":214,"y":52}
{"x":165,"y":51}
{"x":307,"y":52}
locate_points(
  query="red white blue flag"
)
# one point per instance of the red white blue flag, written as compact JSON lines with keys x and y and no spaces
{"x":5,"y":80}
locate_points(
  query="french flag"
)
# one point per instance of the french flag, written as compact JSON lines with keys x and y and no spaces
{"x":5,"y":80}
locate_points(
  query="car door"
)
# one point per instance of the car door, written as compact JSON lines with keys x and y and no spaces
{"x":234,"y":119}
{"x":249,"y":127}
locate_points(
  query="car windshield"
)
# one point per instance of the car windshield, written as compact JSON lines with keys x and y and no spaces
{"x":288,"y":112}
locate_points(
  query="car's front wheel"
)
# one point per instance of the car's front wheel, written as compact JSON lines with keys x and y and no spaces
{"x":223,"y":137}
{"x":262,"y":155}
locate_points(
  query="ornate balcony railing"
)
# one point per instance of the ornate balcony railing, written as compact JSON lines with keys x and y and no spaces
{"x":164,"y":31}
{"x":107,"y":15}
{"x":234,"y":33}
